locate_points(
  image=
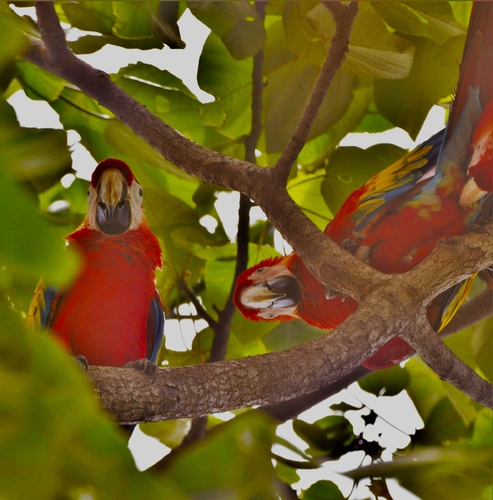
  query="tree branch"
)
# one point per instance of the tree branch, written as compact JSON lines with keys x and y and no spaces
{"x":344,"y":16}
{"x":446,"y":364}
{"x":389,"y":304}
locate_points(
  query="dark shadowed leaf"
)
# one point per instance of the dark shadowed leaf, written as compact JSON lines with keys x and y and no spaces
{"x":237,"y":24}
{"x":389,"y":382}
{"x":323,"y":490}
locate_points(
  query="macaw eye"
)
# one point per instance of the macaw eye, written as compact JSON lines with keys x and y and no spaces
{"x":258,"y":271}
{"x":140,"y":192}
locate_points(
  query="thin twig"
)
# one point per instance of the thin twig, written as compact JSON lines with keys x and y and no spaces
{"x":192,"y":297}
{"x":344,"y":16}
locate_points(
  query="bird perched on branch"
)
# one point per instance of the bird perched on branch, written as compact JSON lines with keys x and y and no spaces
{"x":111,"y":313}
{"x":395,"y":220}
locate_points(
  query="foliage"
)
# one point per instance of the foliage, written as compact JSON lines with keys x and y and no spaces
{"x":54,"y":439}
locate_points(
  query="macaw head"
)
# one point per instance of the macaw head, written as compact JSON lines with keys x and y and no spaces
{"x":114,"y":199}
{"x":480,"y":167}
{"x":268,"y":291}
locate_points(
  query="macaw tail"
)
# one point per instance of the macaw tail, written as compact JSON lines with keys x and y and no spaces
{"x":476,"y":70}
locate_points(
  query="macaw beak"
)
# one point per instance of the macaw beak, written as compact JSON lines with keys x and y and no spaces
{"x":275,"y":293}
{"x":114,"y":216}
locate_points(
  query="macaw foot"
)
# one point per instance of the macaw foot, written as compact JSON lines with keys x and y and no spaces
{"x":82,"y":362}
{"x":146,"y":366}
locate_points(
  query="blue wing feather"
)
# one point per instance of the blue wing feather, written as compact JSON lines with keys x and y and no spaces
{"x":155,"y":328}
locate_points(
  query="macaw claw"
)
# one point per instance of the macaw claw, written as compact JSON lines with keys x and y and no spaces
{"x":82,"y":362}
{"x":146,"y":366}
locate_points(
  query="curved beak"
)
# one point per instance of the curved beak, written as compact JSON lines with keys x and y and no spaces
{"x":113,"y":214}
{"x":275,"y":293}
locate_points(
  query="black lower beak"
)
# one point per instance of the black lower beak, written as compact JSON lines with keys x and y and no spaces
{"x":113,"y":220}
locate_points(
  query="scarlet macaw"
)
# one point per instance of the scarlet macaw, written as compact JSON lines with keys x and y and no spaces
{"x":395,"y":220}
{"x":111,"y":313}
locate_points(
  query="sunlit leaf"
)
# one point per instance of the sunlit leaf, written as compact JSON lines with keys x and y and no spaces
{"x":434,"y":74}
{"x":373,"y":51}
{"x":169,"y":432}
{"x":229,"y":81}
{"x":433,"y":20}
{"x":306,"y":191}
{"x":39,"y":83}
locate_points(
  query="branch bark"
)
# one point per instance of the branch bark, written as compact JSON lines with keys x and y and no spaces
{"x":389,"y":305}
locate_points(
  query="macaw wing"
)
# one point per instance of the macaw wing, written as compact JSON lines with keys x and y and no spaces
{"x":396,"y":180}
{"x":42,"y":305}
{"x":45,"y":300}
{"x":155,"y":327}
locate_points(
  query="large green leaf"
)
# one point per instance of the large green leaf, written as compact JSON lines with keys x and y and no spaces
{"x":12,"y":40}
{"x":306,"y":192}
{"x":350,"y":167}
{"x":373,"y":50}
{"x":39,"y":83}
{"x":433,"y":20}
{"x":482,"y":347}
{"x":434,"y":74}
{"x":437,"y":473}
{"x":237,"y":24}
{"x":55,"y":441}
{"x":232,"y":462}
{"x":229,"y":81}
{"x":32,"y":247}
{"x":323,"y":490}
{"x":35,"y":156}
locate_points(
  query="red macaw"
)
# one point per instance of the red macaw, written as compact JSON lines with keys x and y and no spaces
{"x":394,"y":221}
{"x":111,"y":313}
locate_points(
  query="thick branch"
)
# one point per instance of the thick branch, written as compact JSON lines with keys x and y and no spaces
{"x":389,"y":305}
{"x":446,"y":364}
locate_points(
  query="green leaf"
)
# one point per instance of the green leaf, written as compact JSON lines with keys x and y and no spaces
{"x":133,"y":20}
{"x":433,"y":76}
{"x":242,"y":448}
{"x":389,"y":382}
{"x":229,"y":81}
{"x":323,"y":490}
{"x":332,"y":435}
{"x":436,"y":473}
{"x":482,"y":347}
{"x":237,"y":24}
{"x":289,"y":87}
{"x":351,"y":167}
{"x":373,"y":51}
{"x":38,"y":83}
{"x":306,"y":192}
{"x":169,"y":432}
{"x":290,"y":333}
{"x":38,"y":157}
{"x":12,"y":40}
{"x":55,"y":440}
{"x":36,"y":250}
{"x":91,"y":16}
{"x":433,"y":20}
{"x":315,"y":153}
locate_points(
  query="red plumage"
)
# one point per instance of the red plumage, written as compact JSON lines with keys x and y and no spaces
{"x":111,"y":312}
